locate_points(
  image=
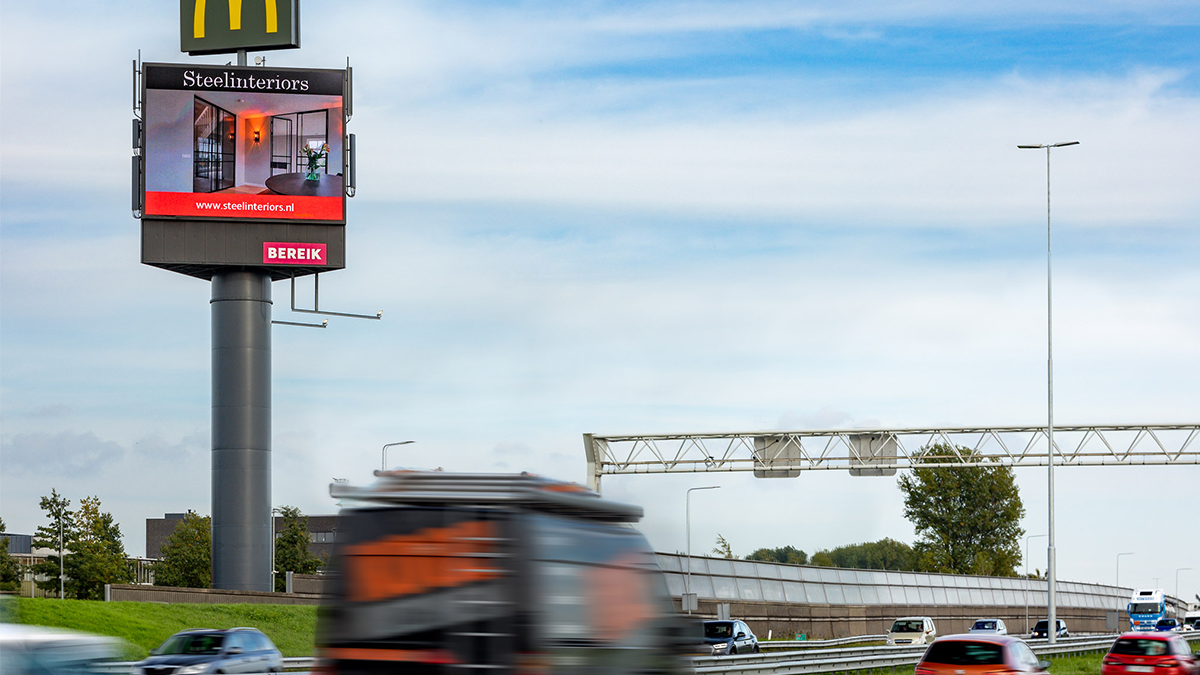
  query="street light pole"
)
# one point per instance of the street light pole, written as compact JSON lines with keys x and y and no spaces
{"x":274,"y":510}
{"x":61,"y":595}
{"x":1051,"y":619}
{"x":1119,"y":566}
{"x":383,"y":466}
{"x":687,"y":593}
{"x":1032,"y":536}
{"x":1181,"y":569}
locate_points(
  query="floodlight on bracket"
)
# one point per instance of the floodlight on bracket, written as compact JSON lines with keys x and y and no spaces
{"x":317,"y":306}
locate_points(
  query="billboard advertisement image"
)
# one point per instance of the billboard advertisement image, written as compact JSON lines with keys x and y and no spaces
{"x":243,"y":143}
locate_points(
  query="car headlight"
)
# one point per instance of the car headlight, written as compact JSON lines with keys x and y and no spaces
{"x":720,"y":646}
{"x":193,"y":670}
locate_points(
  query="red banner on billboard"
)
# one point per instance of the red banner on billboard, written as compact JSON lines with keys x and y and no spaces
{"x":291,"y":253}
{"x":289,"y":207}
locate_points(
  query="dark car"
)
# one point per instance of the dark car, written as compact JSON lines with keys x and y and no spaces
{"x":1167,"y":625}
{"x":1158,"y":653}
{"x":729,"y":637}
{"x":206,"y":650}
{"x":1039,"y":629}
{"x":979,"y":655}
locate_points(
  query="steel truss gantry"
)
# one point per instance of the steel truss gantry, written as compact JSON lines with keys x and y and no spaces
{"x":881,"y":452}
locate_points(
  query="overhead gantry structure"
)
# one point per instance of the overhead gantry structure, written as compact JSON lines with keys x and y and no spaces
{"x":881,"y":452}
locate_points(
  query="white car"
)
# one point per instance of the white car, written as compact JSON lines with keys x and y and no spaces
{"x":988,"y":627}
{"x":33,"y":650}
{"x":911,"y":630}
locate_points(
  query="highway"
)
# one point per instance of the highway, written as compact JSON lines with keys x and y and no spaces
{"x":819,"y":660}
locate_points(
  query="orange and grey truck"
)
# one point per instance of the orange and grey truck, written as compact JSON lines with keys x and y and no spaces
{"x":436,"y":572}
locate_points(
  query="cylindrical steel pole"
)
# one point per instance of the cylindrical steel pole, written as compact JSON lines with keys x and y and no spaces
{"x":241,"y":430}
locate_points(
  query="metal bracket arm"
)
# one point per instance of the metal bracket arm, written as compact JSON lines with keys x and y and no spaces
{"x":317,"y":307}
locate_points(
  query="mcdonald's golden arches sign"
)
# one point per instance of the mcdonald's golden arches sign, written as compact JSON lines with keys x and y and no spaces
{"x":223,"y":26}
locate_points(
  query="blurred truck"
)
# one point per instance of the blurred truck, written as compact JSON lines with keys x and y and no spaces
{"x":436,"y":572}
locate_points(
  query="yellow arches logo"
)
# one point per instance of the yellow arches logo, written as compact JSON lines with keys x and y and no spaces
{"x":235,"y":17}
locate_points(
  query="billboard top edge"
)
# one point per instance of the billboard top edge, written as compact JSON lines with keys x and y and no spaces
{"x":222,"y":66}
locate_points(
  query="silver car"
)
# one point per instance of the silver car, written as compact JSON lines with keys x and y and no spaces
{"x":205,"y":650}
{"x":988,"y":627}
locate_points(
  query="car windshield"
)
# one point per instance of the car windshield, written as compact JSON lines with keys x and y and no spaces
{"x":908,"y":626}
{"x":963,"y":653}
{"x":984,"y":625}
{"x":1144,"y":608}
{"x":1140,"y":647}
{"x":1166,"y":622}
{"x":201,"y":643}
{"x":1041,"y":625}
{"x":718,"y":629}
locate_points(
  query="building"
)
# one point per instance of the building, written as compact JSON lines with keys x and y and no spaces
{"x":320,"y":533}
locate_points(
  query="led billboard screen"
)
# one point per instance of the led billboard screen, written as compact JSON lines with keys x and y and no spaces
{"x":243,"y":143}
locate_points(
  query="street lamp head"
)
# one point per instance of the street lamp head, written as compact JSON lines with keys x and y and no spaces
{"x":1047,"y":145}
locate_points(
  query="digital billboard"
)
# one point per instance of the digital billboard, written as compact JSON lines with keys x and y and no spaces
{"x":243,"y":143}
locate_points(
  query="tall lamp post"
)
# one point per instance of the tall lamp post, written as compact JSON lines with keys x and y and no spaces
{"x":688,"y":598}
{"x":1051,"y":618}
{"x":274,"y":511}
{"x":389,"y":445}
{"x":1032,"y":536}
{"x":61,"y":594}
{"x":1119,"y":566}
{"x":1181,"y":569}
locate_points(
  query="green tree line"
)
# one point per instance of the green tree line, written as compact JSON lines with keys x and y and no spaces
{"x":86,"y":545}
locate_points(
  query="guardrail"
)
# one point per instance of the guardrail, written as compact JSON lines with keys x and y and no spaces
{"x":785,"y":644}
{"x":290,"y":664}
{"x":868,"y":658}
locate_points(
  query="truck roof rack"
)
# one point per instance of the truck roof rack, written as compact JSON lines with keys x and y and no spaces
{"x":503,"y":491}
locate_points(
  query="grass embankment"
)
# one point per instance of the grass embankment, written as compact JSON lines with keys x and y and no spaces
{"x":144,"y":625}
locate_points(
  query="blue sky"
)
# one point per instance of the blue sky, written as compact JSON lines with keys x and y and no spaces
{"x":624,"y":217}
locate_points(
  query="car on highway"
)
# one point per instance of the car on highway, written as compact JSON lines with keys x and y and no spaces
{"x":208,"y":650}
{"x":988,"y":627}
{"x":1039,"y":629}
{"x":911,"y":630}
{"x":1167,"y":625}
{"x":34,"y":650}
{"x":729,"y":637}
{"x":979,"y":654}
{"x":1157,"y":653}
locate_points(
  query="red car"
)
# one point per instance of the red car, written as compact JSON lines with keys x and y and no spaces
{"x":1157,"y":653}
{"x":980,"y":655}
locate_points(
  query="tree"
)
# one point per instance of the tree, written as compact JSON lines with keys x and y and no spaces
{"x":967,"y":519}
{"x":97,"y":554}
{"x":291,"y":548}
{"x":62,"y":522}
{"x":785,"y":554}
{"x":885,"y":554}
{"x":722,"y":549}
{"x":186,"y":557}
{"x":822,"y":559}
{"x":10,"y":569}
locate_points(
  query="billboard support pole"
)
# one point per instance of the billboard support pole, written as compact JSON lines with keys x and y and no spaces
{"x":241,"y":430}
{"x":241,"y":57}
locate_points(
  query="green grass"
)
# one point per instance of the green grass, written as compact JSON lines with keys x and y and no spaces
{"x":144,"y":625}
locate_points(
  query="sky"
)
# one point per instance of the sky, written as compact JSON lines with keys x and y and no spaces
{"x":628,"y":217}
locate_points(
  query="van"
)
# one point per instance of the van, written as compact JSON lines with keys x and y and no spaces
{"x":441,"y":572}
{"x":911,"y":630}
